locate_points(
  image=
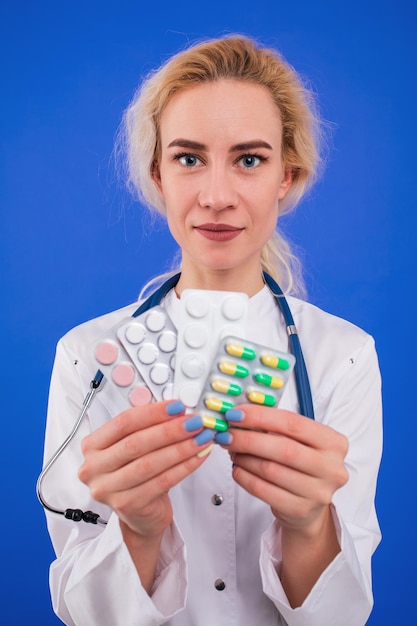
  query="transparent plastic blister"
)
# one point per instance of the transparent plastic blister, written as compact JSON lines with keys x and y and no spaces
{"x":205,"y":318}
{"x":244,"y":372}
{"x":138,"y":357}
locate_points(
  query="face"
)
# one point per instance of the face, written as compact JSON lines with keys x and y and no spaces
{"x":220,"y":174}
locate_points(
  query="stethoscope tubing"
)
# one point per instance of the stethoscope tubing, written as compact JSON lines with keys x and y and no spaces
{"x":305,"y":399}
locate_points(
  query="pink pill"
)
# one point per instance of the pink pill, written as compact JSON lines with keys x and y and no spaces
{"x":123,"y":375}
{"x":140,"y":396}
{"x":106,"y":352}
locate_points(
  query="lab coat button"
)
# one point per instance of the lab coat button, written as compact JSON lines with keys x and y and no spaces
{"x":219,"y":584}
{"x":217,"y":499}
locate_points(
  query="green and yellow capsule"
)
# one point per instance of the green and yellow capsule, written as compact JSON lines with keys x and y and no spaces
{"x":257,"y":397}
{"x":214,"y":423}
{"x":216,"y":404}
{"x":243,"y":352}
{"x":223,"y":386}
{"x":233,"y":369}
{"x":269,"y":381}
{"x":275,"y":362}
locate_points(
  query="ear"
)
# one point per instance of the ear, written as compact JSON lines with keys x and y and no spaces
{"x":286,"y":183}
{"x":156,"y":175}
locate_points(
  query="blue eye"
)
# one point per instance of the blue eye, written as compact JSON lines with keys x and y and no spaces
{"x":250,"y":160}
{"x":188,"y":160}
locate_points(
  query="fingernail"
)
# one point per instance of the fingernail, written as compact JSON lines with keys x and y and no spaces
{"x":204,"y":437}
{"x":234,"y":415}
{"x":193,"y":423}
{"x":175,"y":408}
{"x":223,"y":439}
{"x":205,"y":452}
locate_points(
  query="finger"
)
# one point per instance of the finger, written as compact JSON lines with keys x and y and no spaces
{"x":284,"y":503}
{"x":140,"y":496}
{"x":288,"y":423}
{"x":288,"y":479}
{"x":147,"y":467}
{"x":160,"y":437}
{"x":140,"y":443}
{"x":130,"y":421}
{"x":279,"y":449}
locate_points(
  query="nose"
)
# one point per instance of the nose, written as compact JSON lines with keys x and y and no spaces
{"x":218,"y":190}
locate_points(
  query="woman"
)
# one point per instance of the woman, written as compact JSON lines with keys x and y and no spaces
{"x":272,"y":522}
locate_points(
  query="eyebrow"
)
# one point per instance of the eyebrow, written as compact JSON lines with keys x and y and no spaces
{"x":250,"y":145}
{"x":239,"y":147}
{"x":187,"y":143}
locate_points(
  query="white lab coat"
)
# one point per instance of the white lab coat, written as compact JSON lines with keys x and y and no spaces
{"x":93,"y":580}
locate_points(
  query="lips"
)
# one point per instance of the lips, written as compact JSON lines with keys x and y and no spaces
{"x":218,"y":232}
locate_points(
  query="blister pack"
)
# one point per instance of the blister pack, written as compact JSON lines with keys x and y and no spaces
{"x":138,"y":356}
{"x":205,"y":318}
{"x":243,"y":372}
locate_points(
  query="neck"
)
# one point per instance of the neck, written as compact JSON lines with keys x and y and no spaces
{"x":242,"y":279}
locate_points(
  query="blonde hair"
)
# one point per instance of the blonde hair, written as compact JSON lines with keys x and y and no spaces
{"x":237,"y":58}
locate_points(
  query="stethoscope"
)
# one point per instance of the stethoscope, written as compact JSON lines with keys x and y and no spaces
{"x":300,"y":370}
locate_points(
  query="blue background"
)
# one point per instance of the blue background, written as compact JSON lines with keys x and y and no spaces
{"x":73,"y":245}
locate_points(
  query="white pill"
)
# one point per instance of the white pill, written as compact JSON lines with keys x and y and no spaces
{"x":148,"y":353}
{"x":197,"y":306}
{"x":159,"y":374}
{"x":233,"y":308}
{"x":195,"y":336}
{"x":189,"y":394}
{"x":135,"y":333}
{"x":193,"y":366}
{"x":168,"y":392}
{"x":155,"y":321}
{"x":167,"y":342}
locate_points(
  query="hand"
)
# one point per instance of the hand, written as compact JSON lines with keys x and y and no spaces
{"x":133,"y":460}
{"x":294,"y":464}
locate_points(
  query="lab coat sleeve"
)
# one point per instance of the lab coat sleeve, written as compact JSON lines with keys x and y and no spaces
{"x":350,"y":402}
{"x":93,"y":579}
